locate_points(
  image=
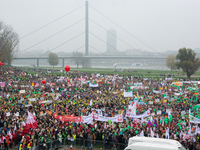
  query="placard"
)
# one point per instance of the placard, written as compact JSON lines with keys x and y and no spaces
{"x":32,"y":99}
{"x":168,"y":110}
{"x":16,"y":114}
{"x":8,"y":114}
{"x":157,"y":100}
{"x":28,"y":105}
{"x":22,"y":91}
{"x":151,"y":103}
{"x":159,"y":112}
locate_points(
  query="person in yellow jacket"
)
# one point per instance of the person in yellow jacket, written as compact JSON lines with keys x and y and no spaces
{"x":29,"y":146}
{"x":74,"y":139}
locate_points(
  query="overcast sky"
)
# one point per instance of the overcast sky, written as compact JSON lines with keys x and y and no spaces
{"x":161,"y":24}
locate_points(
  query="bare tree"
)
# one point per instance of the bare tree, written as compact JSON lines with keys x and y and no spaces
{"x":78,"y":58}
{"x":9,"y":43}
{"x":171,"y":62}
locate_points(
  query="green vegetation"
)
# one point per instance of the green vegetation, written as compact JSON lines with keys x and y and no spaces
{"x":187,"y":61}
{"x":53,"y":59}
{"x":140,"y":72}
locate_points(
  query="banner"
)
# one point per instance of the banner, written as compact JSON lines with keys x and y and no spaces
{"x":137,"y":84}
{"x":43,"y":102}
{"x":128,"y":94}
{"x":2,"y":83}
{"x":32,"y":99}
{"x":87,"y":119}
{"x":93,"y":85}
{"x":194,"y":120}
{"x":70,"y":85}
{"x":67,"y":118}
{"x":97,"y":117}
{"x":157,"y":92}
{"x":145,"y":114}
{"x":22,"y":91}
{"x":105,"y":119}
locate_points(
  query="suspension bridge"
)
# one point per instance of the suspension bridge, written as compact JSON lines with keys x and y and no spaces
{"x":86,"y":46}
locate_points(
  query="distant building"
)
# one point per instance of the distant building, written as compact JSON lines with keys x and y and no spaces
{"x":111,"y":41}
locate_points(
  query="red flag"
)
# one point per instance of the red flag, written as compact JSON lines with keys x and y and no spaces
{"x":31,"y":121}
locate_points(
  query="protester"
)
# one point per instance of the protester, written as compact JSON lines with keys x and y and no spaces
{"x":93,"y":107}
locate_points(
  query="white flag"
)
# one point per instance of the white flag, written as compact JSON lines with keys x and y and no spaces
{"x":152,"y":133}
{"x":167,"y":133}
{"x":142,"y":134}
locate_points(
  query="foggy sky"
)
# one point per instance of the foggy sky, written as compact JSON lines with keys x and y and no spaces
{"x":162,"y":24}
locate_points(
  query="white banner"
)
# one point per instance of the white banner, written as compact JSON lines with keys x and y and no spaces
{"x":32,"y":99}
{"x":16,"y":114}
{"x":194,"y":120}
{"x":157,"y":92}
{"x":137,"y":84}
{"x":145,"y":114}
{"x":93,"y":85}
{"x":128,"y":94}
{"x":86,"y":119}
{"x":22,"y":91}
{"x":95,"y":116}
{"x":103,"y":118}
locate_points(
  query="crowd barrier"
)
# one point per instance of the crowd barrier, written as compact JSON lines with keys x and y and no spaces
{"x":79,"y":143}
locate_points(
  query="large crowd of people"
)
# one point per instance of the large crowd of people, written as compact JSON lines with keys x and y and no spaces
{"x":173,"y":107}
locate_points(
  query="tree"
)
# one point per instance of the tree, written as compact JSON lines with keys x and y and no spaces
{"x":9,"y":43}
{"x":187,"y":61}
{"x":78,"y":58}
{"x":53,"y":59}
{"x":171,"y":62}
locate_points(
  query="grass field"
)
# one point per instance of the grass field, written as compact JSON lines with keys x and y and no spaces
{"x":140,"y":72}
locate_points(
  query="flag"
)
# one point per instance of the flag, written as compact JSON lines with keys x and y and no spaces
{"x":169,"y":114}
{"x":167,"y":133}
{"x":81,"y":81}
{"x":23,"y":123}
{"x":2,"y":139}
{"x":37,"y":84}
{"x":9,"y":134}
{"x":155,"y":122}
{"x":91,"y":102}
{"x":142,"y":134}
{"x":152,"y":133}
{"x":15,"y":128}
{"x":150,"y":123}
{"x":105,"y":125}
{"x":31,"y":121}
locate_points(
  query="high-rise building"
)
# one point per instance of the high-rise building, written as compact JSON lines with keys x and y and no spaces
{"x":111,"y":41}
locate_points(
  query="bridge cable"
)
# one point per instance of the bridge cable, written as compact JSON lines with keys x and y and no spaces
{"x":50,"y":23}
{"x":117,"y":37}
{"x":64,"y":42}
{"x":124,"y":30}
{"x":104,"y":41}
{"x":95,"y":49}
{"x":51,"y":36}
{"x":77,"y":49}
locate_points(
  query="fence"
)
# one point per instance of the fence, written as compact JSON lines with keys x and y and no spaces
{"x":82,"y":144}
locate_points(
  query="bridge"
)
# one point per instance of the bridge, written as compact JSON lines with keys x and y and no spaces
{"x":87,"y":45}
{"x":91,"y":57}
